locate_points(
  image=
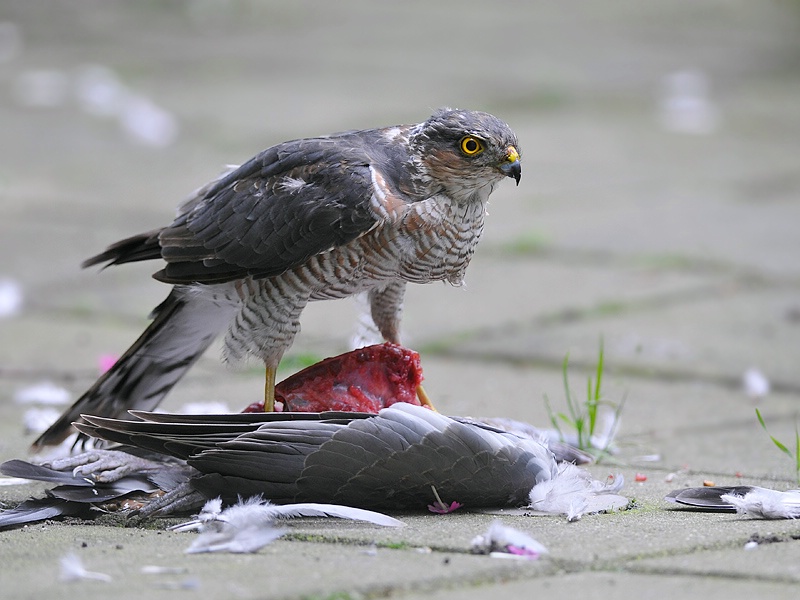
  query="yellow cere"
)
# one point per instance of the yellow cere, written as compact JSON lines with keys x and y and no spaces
{"x":511,"y":154}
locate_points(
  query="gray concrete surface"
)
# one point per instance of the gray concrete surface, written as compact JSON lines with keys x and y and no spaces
{"x":680,"y":249}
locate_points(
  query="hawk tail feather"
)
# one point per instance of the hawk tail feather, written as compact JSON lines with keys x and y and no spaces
{"x":144,"y":246}
{"x":183,"y":327}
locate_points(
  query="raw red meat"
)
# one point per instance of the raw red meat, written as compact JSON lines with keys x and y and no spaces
{"x":364,"y":380}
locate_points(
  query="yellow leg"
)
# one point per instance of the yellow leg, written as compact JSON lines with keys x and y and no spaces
{"x":269,"y":390}
{"x":424,"y":399}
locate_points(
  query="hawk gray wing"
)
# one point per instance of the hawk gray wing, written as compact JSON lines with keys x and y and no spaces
{"x":276,"y":211}
{"x":283,"y":206}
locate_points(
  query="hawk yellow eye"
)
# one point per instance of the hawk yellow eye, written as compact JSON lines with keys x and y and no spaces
{"x":471,"y":146}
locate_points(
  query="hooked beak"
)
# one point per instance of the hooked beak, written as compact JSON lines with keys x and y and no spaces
{"x":510,"y":166}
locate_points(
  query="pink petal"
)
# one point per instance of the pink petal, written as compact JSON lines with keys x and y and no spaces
{"x":442,"y":508}
{"x":106,"y":361}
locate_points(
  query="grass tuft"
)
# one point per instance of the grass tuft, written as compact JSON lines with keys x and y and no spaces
{"x":582,"y":417}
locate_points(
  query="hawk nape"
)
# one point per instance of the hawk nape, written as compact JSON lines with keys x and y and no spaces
{"x":310,"y":219}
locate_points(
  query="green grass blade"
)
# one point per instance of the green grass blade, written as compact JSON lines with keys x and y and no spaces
{"x":795,"y":456}
{"x":761,"y":420}
{"x":591,"y":409}
{"x":797,"y":451}
{"x":593,"y":397}
{"x":582,"y":416}
{"x":781,"y":447}
{"x":599,"y":374}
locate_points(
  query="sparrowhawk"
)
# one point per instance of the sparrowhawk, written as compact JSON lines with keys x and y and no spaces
{"x":361,"y":212}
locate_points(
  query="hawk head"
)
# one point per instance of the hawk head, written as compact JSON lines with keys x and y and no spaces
{"x":466,"y":152}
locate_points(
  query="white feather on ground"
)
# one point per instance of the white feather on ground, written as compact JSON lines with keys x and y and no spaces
{"x":72,"y":569}
{"x":766,"y":503}
{"x":36,"y":420}
{"x":11,"y":298}
{"x":574,"y":492}
{"x":503,"y":539}
{"x":250,"y":525}
{"x":45,"y":392}
{"x":755,"y":383}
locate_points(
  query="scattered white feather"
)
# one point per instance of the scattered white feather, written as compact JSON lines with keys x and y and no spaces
{"x":685,"y":105}
{"x":756,"y":385}
{"x":310,"y":509}
{"x":235,"y":536}
{"x":210,"y":512}
{"x":45,"y":392}
{"x":72,"y":569}
{"x":502,"y":539}
{"x":11,"y":298}
{"x":99,"y":91}
{"x":36,"y":420}
{"x":766,"y":503}
{"x":575,"y":511}
{"x":250,"y":525}
{"x":574,"y":492}
{"x":64,"y":449}
{"x":147,"y":123}
{"x":243,"y":528}
{"x":4,"y":481}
